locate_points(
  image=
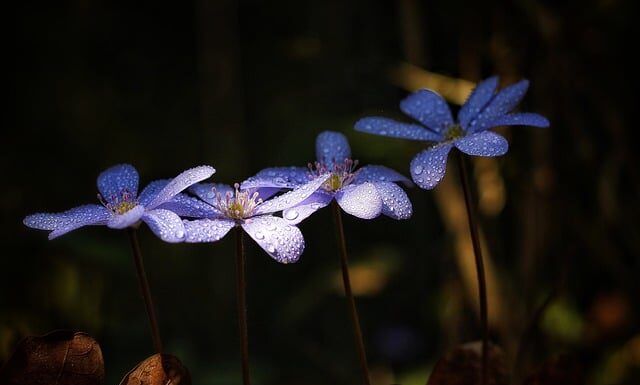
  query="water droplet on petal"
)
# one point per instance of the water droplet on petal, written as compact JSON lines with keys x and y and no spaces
{"x":291,"y":214}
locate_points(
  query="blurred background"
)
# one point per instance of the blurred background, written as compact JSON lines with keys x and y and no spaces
{"x":244,"y":85}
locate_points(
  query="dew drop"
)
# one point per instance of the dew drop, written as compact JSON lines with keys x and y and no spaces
{"x":291,"y":214}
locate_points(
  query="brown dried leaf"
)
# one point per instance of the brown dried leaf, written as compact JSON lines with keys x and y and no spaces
{"x":462,"y":366}
{"x":158,"y":370}
{"x":559,"y":370}
{"x":61,"y":357}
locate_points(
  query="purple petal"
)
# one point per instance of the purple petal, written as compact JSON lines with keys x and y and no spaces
{"x":62,"y":223}
{"x":477,"y":100}
{"x":520,"y":119}
{"x":180,"y":183}
{"x":280,"y":177}
{"x":291,"y":198}
{"x":395,"y":202}
{"x":282,"y":241}
{"x":116,"y":180}
{"x":332,"y":147}
{"x":130,"y":218}
{"x":207,"y":230}
{"x":186,"y":206}
{"x":315,"y":202}
{"x":151,"y":191}
{"x":265,"y":193}
{"x":502,"y":103}
{"x":166,"y":225}
{"x":428,"y":108}
{"x":208,"y":191}
{"x":428,"y":167}
{"x":393,"y":129}
{"x":362,"y":200}
{"x":373,"y":173}
{"x":485,"y":143}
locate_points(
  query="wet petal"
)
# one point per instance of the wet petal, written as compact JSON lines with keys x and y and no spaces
{"x":428,"y":108}
{"x":520,"y":119}
{"x":393,"y":129}
{"x":315,"y":202}
{"x":116,"y":180}
{"x":484,"y":143}
{"x":428,"y":167}
{"x":501,"y":104}
{"x":180,"y":183}
{"x":374,"y":173}
{"x":280,"y":177}
{"x":362,"y":200}
{"x":291,"y":198}
{"x":166,"y":225}
{"x":282,"y":241}
{"x":332,"y":147}
{"x":62,"y":223}
{"x":207,"y":230}
{"x":477,"y":100}
{"x":207,"y":191}
{"x":186,"y":206}
{"x":151,"y":191}
{"x":395,"y":202}
{"x":131,"y":217}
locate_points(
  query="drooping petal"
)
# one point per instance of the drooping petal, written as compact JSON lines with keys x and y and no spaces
{"x":282,"y":241}
{"x":362,"y":200}
{"x":501,"y":104}
{"x":374,"y":173}
{"x":187,"y":206}
{"x":151,"y":191}
{"x":208,"y":191}
{"x":180,"y":183}
{"x":207,"y":230}
{"x":315,"y":202}
{"x":485,"y":143}
{"x":428,"y":108}
{"x":391,"y":128}
{"x":280,"y":177}
{"x":118,"y":179}
{"x":332,"y":147}
{"x":62,"y":223}
{"x":428,"y":167}
{"x":166,"y":224}
{"x":520,"y":119}
{"x":131,"y":217}
{"x":477,"y":100}
{"x":291,"y":198}
{"x":395,"y":202}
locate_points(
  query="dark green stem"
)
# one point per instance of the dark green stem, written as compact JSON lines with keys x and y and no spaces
{"x":144,"y":288}
{"x":241,"y":291}
{"x":353,"y":312}
{"x":482,"y":286}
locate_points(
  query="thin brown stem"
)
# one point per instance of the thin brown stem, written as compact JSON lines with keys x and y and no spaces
{"x":482,"y":286}
{"x":241,"y":291}
{"x":353,"y":312}
{"x":144,"y":288}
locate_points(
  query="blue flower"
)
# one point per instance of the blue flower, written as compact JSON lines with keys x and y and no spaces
{"x":485,"y":108}
{"x":122,"y":207}
{"x":230,"y":207}
{"x":364,"y":192}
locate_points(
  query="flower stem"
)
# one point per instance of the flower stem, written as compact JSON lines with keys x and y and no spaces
{"x":355,"y":323}
{"x":144,"y":288}
{"x":241,"y":292}
{"x":482,"y":286}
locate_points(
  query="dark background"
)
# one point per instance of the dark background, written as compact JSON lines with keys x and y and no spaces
{"x":249,"y":84}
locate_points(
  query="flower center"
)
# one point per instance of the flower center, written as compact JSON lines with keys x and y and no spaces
{"x":120,"y":204}
{"x":454,"y":132}
{"x":342,"y":174}
{"x":238,"y":205}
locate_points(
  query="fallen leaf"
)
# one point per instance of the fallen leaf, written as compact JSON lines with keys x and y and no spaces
{"x":462,"y":366}
{"x":158,"y":369}
{"x":61,"y":357}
